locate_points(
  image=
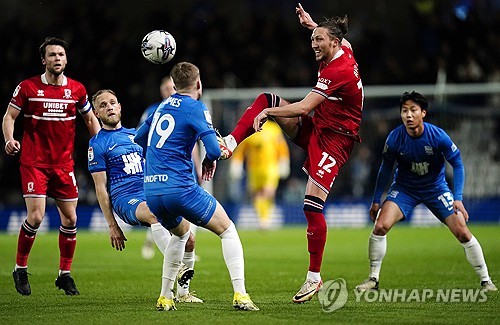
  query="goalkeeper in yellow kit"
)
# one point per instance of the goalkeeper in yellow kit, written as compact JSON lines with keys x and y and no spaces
{"x":267,"y":160}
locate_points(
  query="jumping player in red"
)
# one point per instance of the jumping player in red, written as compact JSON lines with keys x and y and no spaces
{"x":328,"y":135}
{"x":49,"y":104}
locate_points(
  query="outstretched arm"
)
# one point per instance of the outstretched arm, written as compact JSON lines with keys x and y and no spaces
{"x":92,"y":123}
{"x":115,"y":232}
{"x":304,"y":17}
{"x":306,"y":20}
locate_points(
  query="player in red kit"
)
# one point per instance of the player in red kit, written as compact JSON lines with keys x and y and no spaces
{"x":328,"y":135}
{"x":49,"y":104}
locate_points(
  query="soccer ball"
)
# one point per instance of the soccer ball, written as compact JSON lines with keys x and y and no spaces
{"x":158,"y":47}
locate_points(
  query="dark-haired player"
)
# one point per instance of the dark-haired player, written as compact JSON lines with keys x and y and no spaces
{"x":49,"y":104}
{"x":328,"y":136}
{"x":420,"y":150}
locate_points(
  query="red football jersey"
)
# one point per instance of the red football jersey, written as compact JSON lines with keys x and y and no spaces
{"x":49,"y":120}
{"x":339,"y":82}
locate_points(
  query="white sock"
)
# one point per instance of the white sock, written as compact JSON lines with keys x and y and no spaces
{"x":230,"y":142}
{"x":172,"y":263}
{"x":377,"y":247}
{"x":161,"y":236}
{"x":149,"y":237}
{"x":17,"y":267}
{"x":313,"y":276}
{"x":189,"y":261}
{"x":475,"y":257}
{"x":193,"y":229}
{"x":233,"y":256}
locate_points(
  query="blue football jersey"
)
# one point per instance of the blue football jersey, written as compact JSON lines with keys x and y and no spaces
{"x":420,"y":161}
{"x":115,"y":152}
{"x":169,"y":136}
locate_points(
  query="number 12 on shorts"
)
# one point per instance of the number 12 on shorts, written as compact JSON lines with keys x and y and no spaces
{"x":327,"y":162}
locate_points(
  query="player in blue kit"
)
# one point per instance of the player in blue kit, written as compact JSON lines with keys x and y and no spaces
{"x":116,"y":163}
{"x":171,"y":190}
{"x":419,"y":150}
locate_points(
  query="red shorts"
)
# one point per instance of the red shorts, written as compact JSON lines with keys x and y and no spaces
{"x":326,"y":153}
{"x":59,"y":183}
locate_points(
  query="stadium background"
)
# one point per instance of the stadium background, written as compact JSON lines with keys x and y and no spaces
{"x":239,"y":45}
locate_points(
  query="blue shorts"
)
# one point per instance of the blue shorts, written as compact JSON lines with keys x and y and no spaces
{"x":125,"y":206}
{"x":194,"y":204}
{"x":439,"y":201}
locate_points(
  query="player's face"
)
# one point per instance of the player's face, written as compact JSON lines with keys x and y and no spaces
{"x":412,"y":115}
{"x":108,"y":110}
{"x":324,"y":47}
{"x":55,"y":59}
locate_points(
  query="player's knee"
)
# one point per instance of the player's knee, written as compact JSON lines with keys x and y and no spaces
{"x":35,"y":219}
{"x":190,"y":243}
{"x":68,"y":221}
{"x":149,"y":218}
{"x":463,"y":235}
{"x":381,"y":228}
{"x":273,"y":100}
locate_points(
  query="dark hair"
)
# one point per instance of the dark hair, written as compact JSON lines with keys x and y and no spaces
{"x":336,"y":26}
{"x":52,"y":41}
{"x":184,"y":75}
{"x":414,"y":96}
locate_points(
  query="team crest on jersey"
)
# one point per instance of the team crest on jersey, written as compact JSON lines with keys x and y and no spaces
{"x":90,"y":153}
{"x":16,"y":91}
{"x":67,"y":94}
{"x":428,"y":150}
{"x":31,"y":186}
{"x":208,"y":117}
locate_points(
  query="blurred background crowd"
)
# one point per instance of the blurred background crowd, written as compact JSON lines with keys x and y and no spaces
{"x":240,"y":44}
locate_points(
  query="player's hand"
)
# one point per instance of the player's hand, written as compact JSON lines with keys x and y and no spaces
{"x":260,"y":120}
{"x":458,"y":206}
{"x":304,"y":17}
{"x":208,"y":169}
{"x":117,"y":238}
{"x":12,"y":147}
{"x":374,"y":210}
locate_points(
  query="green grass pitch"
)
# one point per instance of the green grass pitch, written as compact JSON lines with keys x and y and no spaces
{"x":122,"y":288}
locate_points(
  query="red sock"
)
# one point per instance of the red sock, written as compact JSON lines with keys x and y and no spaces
{"x":244,"y":127}
{"x":67,"y":245}
{"x":25,"y":241}
{"x":316,"y":231}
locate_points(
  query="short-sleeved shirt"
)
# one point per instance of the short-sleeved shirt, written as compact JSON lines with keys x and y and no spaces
{"x":329,"y":136}
{"x":115,"y":152}
{"x":174,"y":128}
{"x":171,"y":132}
{"x":340,"y":83}
{"x":420,"y":160}
{"x":49,"y":120}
